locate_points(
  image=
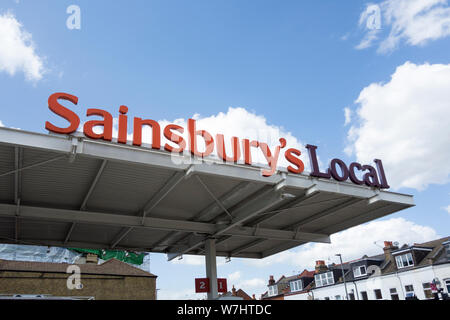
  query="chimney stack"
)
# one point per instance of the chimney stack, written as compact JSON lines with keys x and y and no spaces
{"x":388,"y":248}
{"x":321,"y":266}
{"x":233,"y":291}
{"x":253,"y":297}
{"x":91,"y":258}
{"x":271,"y":281}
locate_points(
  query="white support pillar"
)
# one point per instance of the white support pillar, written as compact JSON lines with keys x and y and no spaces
{"x":211,"y":268}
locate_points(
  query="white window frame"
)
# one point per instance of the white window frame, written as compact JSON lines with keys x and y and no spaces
{"x":406,"y":290}
{"x":392,"y":292}
{"x":404,"y":260}
{"x":426,"y":286}
{"x":273,"y":290}
{"x":324,"y":279}
{"x":357,"y":271}
{"x":296,"y":285}
{"x":447,"y":285}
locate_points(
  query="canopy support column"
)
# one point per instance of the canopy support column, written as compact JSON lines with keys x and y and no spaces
{"x":211,"y":268}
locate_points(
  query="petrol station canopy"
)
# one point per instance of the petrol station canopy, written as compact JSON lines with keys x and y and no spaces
{"x":71,"y":191}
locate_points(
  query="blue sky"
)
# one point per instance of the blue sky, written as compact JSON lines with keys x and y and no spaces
{"x":295,"y":63}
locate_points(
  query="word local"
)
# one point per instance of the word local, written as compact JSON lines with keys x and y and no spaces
{"x":172,"y":132}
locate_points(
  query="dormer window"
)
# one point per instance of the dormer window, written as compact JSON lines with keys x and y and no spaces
{"x":324,"y":279}
{"x":404,"y":260}
{"x":447,"y":248}
{"x":296,"y":285}
{"x":360,"y":271}
{"x":273,"y":290}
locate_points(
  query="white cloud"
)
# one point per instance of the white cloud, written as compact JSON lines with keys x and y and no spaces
{"x":252,"y":283}
{"x":250,"y":286}
{"x":236,"y":122}
{"x":369,"y":38}
{"x":237,"y":280}
{"x":348,"y":115}
{"x":447,"y":208}
{"x":190,"y":260}
{"x":345,"y":37}
{"x":233,"y":277}
{"x":17,"y":51}
{"x":415,"y":22}
{"x":406,"y":123}
{"x":395,"y":229}
{"x":239,"y":122}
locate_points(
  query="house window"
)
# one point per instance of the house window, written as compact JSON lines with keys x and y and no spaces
{"x":296,"y":286}
{"x":324,"y":279}
{"x":409,"y":289}
{"x":273,"y":291}
{"x":364,"y":295}
{"x":394,"y":294}
{"x":447,"y":284}
{"x":405,"y":260}
{"x":378,"y":294}
{"x":427,"y":290}
{"x":447,"y":248}
{"x":351,"y":296}
{"x":359,"y":271}
{"x":338,"y":297}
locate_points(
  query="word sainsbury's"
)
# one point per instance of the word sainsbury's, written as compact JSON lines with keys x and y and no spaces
{"x":337,"y":170}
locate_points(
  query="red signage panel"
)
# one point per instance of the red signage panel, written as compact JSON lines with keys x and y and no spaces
{"x":202,"y":285}
{"x":222,"y":285}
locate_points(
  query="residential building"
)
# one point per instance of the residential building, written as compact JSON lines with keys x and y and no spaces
{"x":399,"y":273}
{"x":236,"y":295}
{"x":285,"y":286}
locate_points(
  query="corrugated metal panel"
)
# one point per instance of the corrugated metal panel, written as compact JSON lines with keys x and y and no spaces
{"x":7,"y":157}
{"x":125,"y":188}
{"x":343,"y":214}
{"x":132,"y":177}
{"x":377,"y":211}
{"x":35,"y":230}
{"x":102,"y":234}
{"x":267,"y":245}
{"x":7,"y":228}
{"x":59,"y":183}
{"x":304,"y":210}
{"x":189,"y":198}
{"x":142,"y":238}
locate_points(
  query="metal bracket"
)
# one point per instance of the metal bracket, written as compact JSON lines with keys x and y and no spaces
{"x":189,"y":171}
{"x":73,"y":150}
{"x":281,"y":184}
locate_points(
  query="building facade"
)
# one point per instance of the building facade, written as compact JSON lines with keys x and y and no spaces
{"x":419,"y":271}
{"x":297,"y":285}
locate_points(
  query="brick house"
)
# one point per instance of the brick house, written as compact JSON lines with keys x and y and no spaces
{"x":238,"y":294}
{"x":286,"y":286}
{"x":111,"y":280}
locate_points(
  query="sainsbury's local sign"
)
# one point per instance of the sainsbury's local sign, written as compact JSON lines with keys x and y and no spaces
{"x":240,"y":148}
